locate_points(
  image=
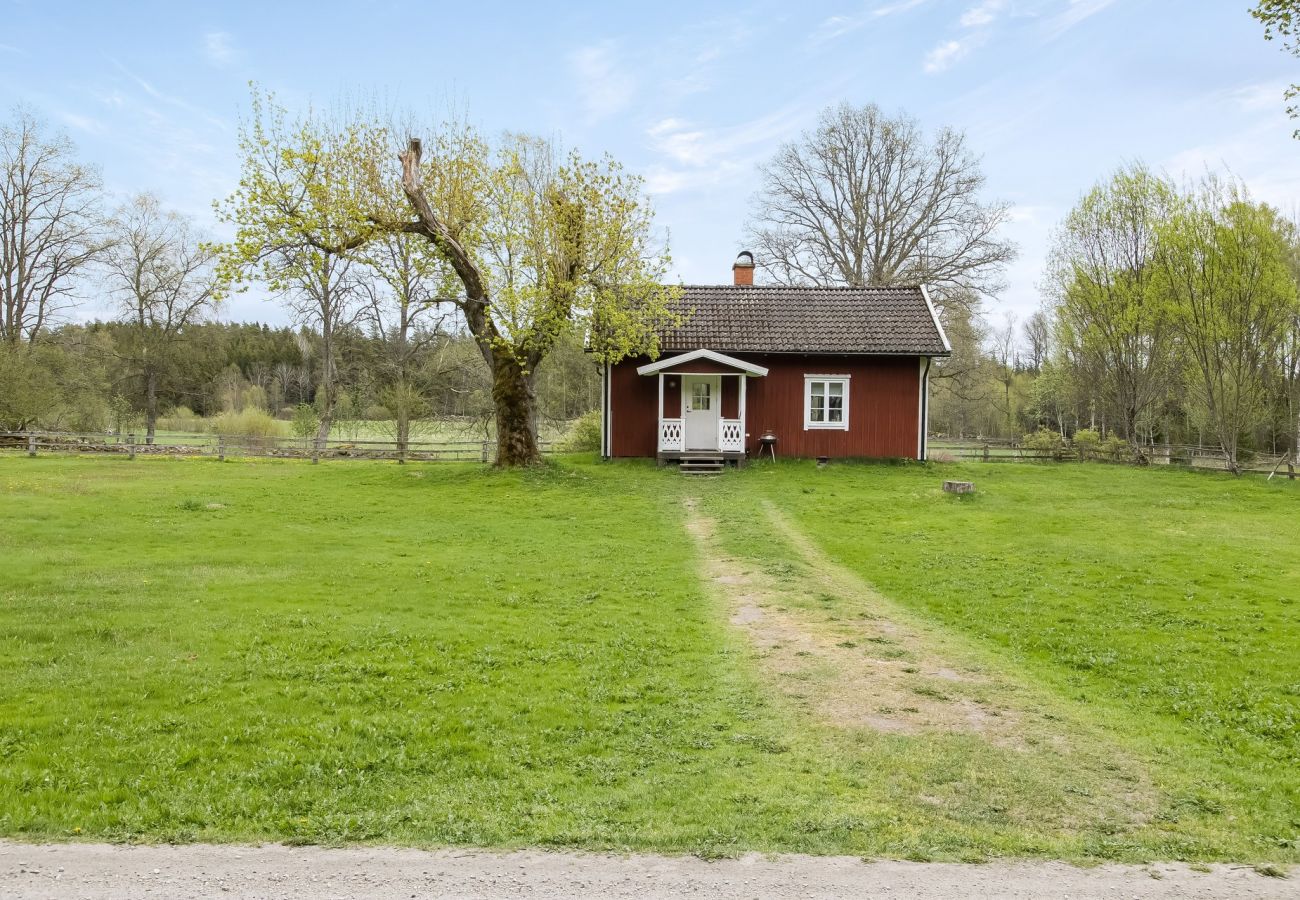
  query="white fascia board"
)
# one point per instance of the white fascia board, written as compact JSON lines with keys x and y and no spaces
{"x":720,"y":358}
{"x":947,"y":345}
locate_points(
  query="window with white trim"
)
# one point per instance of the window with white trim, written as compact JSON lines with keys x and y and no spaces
{"x":826,"y":401}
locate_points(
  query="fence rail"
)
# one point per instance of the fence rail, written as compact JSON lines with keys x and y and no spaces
{"x":1187,"y":455}
{"x":222,"y":446}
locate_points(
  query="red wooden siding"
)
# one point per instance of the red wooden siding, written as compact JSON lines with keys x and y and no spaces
{"x":884,"y":395}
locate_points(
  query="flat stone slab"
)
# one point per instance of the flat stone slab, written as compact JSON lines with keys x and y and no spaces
{"x":959,"y":487}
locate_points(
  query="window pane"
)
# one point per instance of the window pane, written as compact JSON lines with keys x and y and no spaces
{"x":835,"y":412}
{"x":836,"y":388}
{"x":817,"y":401}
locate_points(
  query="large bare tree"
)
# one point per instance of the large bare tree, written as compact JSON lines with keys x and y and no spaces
{"x":866,"y":199}
{"x":159,"y":272}
{"x":50,"y":217}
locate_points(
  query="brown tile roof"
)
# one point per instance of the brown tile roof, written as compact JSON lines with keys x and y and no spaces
{"x":771,"y":319}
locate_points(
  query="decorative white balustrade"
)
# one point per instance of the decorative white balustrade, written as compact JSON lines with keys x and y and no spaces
{"x":731,"y":437}
{"x":671,"y":435}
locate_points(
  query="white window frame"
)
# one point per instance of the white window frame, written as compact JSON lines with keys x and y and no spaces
{"x":808,"y":382}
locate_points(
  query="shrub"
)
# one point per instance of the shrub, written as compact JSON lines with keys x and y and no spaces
{"x":1086,"y":442}
{"x":1044,"y":441}
{"x":1116,"y":449}
{"x":583,"y":435}
{"x":182,"y":418}
{"x":249,"y":423}
{"x":305,"y":421}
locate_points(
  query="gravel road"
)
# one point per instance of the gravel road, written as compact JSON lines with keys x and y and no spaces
{"x":107,"y":872}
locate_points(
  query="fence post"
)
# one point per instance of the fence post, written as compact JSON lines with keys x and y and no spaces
{"x":130,"y":446}
{"x":31,"y":443}
{"x":221,"y":449}
{"x":986,"y":452}
{"x":484,"y":457}
{"x":315,"y":454}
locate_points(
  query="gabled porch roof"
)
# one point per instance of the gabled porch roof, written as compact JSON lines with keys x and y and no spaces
{"x":721,"y":359}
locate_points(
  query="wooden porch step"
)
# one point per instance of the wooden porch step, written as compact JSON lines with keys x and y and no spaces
{"x":702,"y":465}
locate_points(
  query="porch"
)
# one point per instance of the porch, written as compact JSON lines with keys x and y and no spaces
{"x":702,"y":407}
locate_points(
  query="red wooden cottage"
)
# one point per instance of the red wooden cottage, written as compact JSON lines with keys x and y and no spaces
{"x":816,"y":372}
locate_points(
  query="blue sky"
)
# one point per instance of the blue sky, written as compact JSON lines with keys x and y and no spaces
{"x":1053,"y":94}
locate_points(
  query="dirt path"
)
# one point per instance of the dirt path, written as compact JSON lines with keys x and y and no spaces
{"x":851,"y":659}
{"x":105,"y":872}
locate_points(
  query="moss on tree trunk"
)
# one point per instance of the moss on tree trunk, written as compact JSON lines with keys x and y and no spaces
{"x":515,"y":402}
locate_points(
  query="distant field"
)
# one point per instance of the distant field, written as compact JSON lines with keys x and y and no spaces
{"x":443,"y":654}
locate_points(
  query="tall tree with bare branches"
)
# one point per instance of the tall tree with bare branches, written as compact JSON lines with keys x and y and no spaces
{"x":159,"y":272}
{"x":50,"y":225}
{"x":866,"y":199}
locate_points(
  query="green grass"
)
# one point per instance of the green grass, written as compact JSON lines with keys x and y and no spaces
{"x":440,"y":654}
{"x":1164,"y":603}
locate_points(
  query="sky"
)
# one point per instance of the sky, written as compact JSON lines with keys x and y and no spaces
{"x":1052,"y":94}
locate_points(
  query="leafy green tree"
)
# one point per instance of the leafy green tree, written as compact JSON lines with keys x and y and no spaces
{"x":1111,"y":310}
{"x":297,"y":217}
{"x":1225,"y":263}
{"x":539,"y":243}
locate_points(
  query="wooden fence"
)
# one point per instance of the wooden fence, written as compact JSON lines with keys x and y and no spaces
{"x":1186,"y":455}
{"x":236,"y":446}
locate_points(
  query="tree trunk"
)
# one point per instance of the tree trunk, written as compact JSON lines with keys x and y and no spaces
{"x":515,"y":401}
{"x":403,"y":430}
{"x":150,"y":406}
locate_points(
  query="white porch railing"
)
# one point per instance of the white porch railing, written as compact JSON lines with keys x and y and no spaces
{"x":671,"y":435}
{"x":731,"y":435}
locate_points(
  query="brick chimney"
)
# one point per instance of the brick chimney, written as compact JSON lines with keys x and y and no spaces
{"x":742,"y":270}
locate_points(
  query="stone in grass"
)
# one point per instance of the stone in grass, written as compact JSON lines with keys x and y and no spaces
{"x":959,"y":487}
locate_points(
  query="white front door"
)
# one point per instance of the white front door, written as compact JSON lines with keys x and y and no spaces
{"x":701,"y":398}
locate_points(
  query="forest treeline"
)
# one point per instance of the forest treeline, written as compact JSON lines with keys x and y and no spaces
{"x":1170,"y":314}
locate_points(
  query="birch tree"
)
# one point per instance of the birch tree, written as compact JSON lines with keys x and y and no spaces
{"x":50,"y":218}
{"x":1225,"y":262}
{"x":159,"y":272}
{"x":1110,"y":306}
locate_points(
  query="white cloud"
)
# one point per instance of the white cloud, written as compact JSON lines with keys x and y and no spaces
{"x":981,"y":15}
{"x":605,"y":88}
{"x":218,"y":48}
{"x":944,"y":55}
{"x":1074,"y":13}
{"x":838,"y":26}
{"x":83,"y":123}
{"x":696,"y":157}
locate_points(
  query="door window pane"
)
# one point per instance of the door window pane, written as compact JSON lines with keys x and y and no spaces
{"x":700,"y":397}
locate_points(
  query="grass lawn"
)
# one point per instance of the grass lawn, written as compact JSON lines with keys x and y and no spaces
{"x":439,"y":654}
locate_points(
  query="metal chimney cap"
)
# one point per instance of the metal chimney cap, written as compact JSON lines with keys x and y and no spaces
{"x":744,"y":259}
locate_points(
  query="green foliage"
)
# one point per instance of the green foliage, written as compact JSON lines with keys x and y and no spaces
{"x":1086,"y":443}
{"x":1116,"y":449}
{"x":305,"y":421}
{"x":250,"y":422}
{"x":181,"y":418}
{"x":583,"y":435}
{"x":1281,"y":20}
{"x":1044,"y":441}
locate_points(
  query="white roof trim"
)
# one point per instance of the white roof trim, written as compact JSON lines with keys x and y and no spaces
{"x":720,"y":358}
{"x":947,"y":345}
